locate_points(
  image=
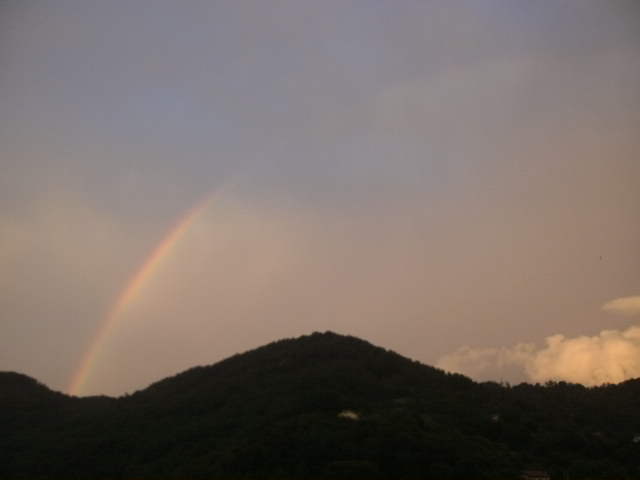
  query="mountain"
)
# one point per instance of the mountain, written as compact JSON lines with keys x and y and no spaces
{"x":320,"y":406}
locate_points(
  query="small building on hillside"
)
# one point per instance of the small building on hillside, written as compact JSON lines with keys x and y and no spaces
{"x":534,"y":475}
{"x":349,"y":414}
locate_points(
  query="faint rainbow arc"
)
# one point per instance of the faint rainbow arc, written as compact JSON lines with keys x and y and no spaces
{"x":133,"y":287}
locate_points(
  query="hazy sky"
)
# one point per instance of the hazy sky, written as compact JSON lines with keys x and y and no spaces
{"x":455,"y":180}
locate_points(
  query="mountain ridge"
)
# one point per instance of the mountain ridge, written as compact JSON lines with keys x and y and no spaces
{"x":320,"y":406}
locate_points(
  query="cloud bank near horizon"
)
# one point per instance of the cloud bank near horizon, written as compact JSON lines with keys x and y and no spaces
{"x":623,"y":305}
{"x":611,"y":356}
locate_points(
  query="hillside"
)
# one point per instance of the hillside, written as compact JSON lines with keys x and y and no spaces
{"x":320,"y":406}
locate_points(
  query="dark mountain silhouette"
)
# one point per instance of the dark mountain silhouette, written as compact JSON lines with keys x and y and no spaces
{"x":320,"y":406}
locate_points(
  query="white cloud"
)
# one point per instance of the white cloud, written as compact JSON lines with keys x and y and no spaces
{"x":503,"y":363}
{"x":624,"y":305}
{"x":612,"y":356}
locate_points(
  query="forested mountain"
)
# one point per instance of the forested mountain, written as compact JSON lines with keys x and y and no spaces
{"x":321,"y":406}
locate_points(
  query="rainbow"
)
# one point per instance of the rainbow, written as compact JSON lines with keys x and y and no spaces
{"x":131,"y":291}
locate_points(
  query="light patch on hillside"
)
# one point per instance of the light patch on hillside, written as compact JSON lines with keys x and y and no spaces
{"x":349,"y":414}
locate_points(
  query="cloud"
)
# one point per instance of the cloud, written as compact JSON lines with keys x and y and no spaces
{"x":501,"y":363}
{"x":623,"y":306}
{"x":609,"y":357}
{"x":612,"y":356}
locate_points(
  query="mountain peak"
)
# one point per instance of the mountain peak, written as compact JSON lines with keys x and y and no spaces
{"x":323,"y":405}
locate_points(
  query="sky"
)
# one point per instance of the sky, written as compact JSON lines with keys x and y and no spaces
{"x":457,"y":181}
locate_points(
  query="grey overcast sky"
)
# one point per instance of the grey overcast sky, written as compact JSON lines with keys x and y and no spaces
{"x":458,"y":181}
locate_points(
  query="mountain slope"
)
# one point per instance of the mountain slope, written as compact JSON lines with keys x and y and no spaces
{"x":321,"y":406}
